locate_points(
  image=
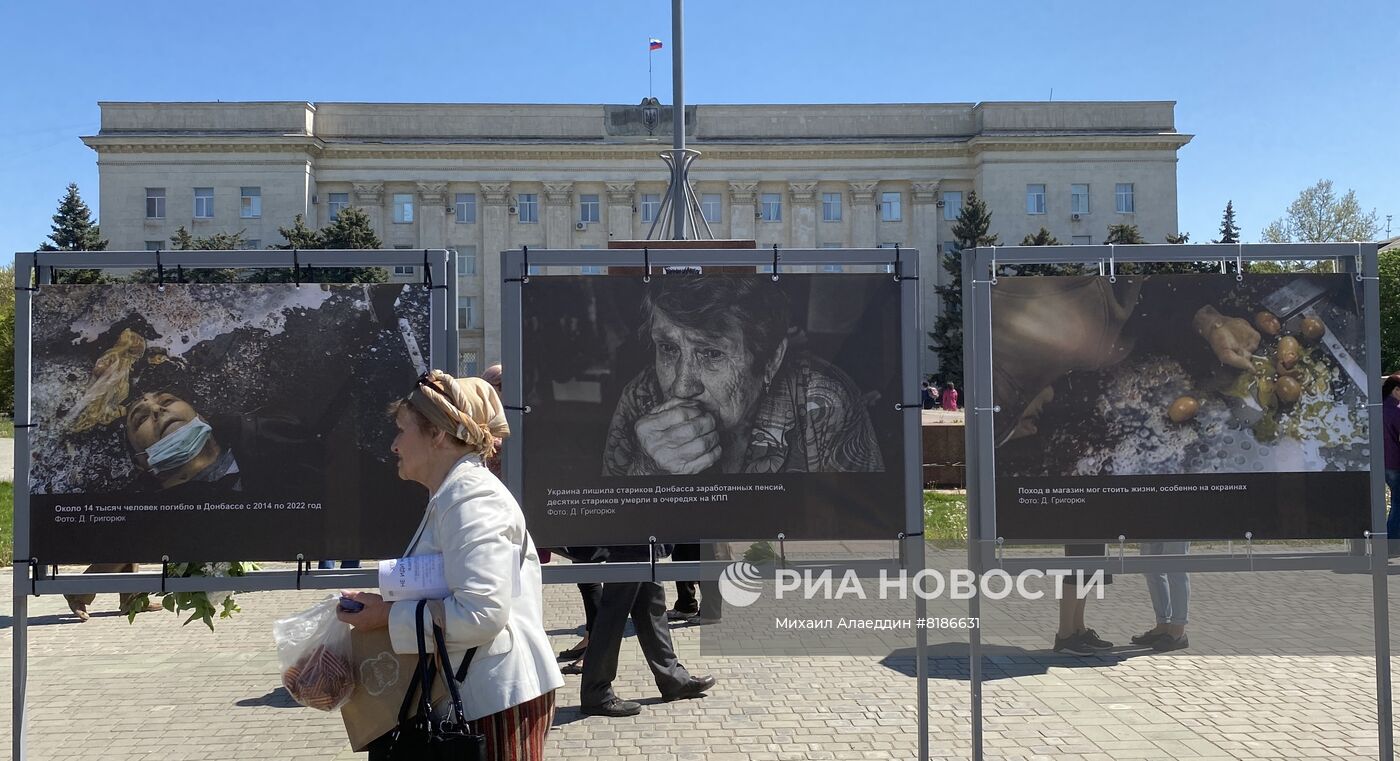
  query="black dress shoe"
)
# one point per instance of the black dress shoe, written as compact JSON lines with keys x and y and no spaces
{"x":681,"y":615}
{"x":615,"y":707}
{"x":573,"y":653}
{"x":697,"y":686}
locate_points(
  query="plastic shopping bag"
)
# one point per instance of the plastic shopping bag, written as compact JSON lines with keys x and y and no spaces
{"x":314,"y":649}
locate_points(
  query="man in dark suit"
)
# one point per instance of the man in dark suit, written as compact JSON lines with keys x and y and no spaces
{"x":645,"y":603}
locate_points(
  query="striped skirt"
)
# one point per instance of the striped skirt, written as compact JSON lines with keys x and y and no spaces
{"x":515,"y":734}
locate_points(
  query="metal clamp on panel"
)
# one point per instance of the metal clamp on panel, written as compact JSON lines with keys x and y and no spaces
{"x":164,"y":571}
{"x":303,"y":566}
{"x":524,"y":410}
{"x":33,"y":576}
{"x":776,"y":257}
{"x":899,"y":406}
{"x":296,"y":268}
{"x":1000,"y":552}
{"x":160,"y":273}
{"x":651,"y":544}
{"x":1239,"y":262}
{"x":1122,"y":562}
{"x":1249,"y":548}
{"x":1360,"y":275}
{"x":898,"y":267}
{"x":782,"y":551}
{"x":1112,"y":265}
{"x":646,"y":264}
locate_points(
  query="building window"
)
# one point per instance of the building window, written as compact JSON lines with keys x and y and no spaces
{"x":1079,"y":199}
{"x":711,"y":206}
{"x":952,"y":204}
{"x":466,"y":208}
{"x":528,"y":208}
{"x":593,"y":269}
{"x":772,"y":207}
{"x":466,"y":262}
{"x":155,"y":245}
{"x":203,"y":203}
{"x":1123,"y":197}
{"x":403,"y":269}
{"x":155,"y":203}
{"x":470,"y":367}
{"x":889,"y":207}
{"x":339,"y":202}
{"x":466,"y":313}
{"x":833,"y":268}
{"x":831,"y":207}
{"x":403,"y":208}
{"x":250,"y":203}
{"x":1035,"y":199}
{"x":1082,"y":240}
{"x":253,"y":244}
{"x":651,"y":206}
{"x":588,"y":207}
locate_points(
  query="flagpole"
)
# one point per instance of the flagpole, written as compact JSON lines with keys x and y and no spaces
{"x":649,"y":56}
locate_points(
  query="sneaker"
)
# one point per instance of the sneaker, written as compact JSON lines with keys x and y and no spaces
{"x":1168,"y":643}
{"x":681,"y":615}
{"x":1093,"y":641}
{"x":615,"y":708}
{"x":1072,"y":645}
{"x":1148,"y":638}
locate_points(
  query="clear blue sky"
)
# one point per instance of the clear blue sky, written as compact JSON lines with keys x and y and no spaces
{"x":1278,"y":94}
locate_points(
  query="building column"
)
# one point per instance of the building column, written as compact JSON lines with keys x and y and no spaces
{"x":741,"y":209}
{"x":924,"y":198}
{"x":432,"y":214}
{"x":369,"y":196}
{"x":804,"y":214}
{"x":622,"y":197}
{"x":558,"y":222}
{"x":863,"y":214}
{"x":495,"y":238}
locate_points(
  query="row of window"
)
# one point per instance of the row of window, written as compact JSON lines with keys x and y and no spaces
{"x":1079,"y":198}
{"x":527,"y":205}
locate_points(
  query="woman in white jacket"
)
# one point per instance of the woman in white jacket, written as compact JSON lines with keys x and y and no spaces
{"x":446,"y":428}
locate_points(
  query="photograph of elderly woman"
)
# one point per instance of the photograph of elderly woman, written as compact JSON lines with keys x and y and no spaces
{"x":695,"y":381}
{"x":248,"y":415}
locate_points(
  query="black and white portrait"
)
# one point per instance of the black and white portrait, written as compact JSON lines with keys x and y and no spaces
{"x":728,"y":391}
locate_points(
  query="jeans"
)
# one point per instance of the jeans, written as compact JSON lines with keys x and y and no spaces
{"x":1171,"y":592}
{"x":1392,"y":521}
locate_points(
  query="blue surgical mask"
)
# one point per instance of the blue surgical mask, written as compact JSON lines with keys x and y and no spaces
{"x":178,"y":447}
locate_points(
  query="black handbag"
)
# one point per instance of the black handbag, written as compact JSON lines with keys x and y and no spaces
{"x":422,"y":737}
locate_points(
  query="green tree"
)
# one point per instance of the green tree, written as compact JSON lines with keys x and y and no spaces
{"x":1177,"y":239}
{"x":350,"y":230}
{"x":970,"y":231}
{"x":1123,"y":235}
{"x":1317,"y":215}
{"x":1390,"y":309}
{"x":7,"y":340}
{"x":1042,"y":238}
{"x":74,"y":230}
{"x":1229,"y":231}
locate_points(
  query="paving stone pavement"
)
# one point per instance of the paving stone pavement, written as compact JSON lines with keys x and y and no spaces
{"x":1281,"y":667}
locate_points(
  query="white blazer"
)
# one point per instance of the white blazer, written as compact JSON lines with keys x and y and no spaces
{"x":496,"y":603}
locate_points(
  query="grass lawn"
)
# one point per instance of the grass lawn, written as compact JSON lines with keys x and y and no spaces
{"x":7,"y":427}
{"x":7,"y":523}
{"x":945,"y":518}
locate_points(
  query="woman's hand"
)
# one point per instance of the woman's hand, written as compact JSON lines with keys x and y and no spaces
{"x":375,"y":614}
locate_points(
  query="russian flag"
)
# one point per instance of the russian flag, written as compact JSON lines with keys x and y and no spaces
{"x":655,"y":43}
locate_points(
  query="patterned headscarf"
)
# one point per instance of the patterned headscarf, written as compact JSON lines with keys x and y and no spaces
{"x":467,"y":408}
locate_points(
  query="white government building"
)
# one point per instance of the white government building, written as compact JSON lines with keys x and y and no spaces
{"x":483,"y":178}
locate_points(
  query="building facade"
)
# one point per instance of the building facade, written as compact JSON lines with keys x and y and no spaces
{"x":482,"y":179}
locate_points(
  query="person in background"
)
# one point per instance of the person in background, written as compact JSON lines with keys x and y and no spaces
{"x":1074,"y":637}
{"x":1390,"y":426}
{"x":926,"y":396}
{"x":950,"y":397}
{"x":1171,"y":594}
